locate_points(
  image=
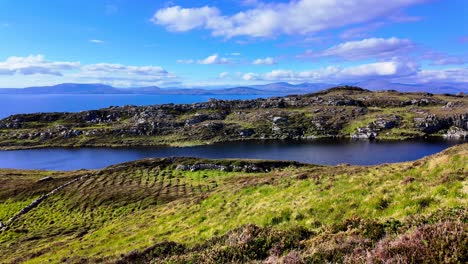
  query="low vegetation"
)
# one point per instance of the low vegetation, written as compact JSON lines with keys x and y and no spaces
{"x":184,"y":210}
{"x":337,"y":112}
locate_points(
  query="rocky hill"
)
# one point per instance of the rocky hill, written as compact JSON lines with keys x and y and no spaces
{"x":185,"y":210}
{"x":338,"y":112}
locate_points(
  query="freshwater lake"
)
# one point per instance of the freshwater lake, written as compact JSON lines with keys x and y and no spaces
{"x":326,"y":152}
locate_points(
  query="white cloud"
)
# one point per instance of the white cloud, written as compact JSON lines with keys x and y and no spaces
{"x":35,"y":64}
{"x":443,"y":75}
{"x":21,"y":69}
{"x":223,"y":75}
{"x":126,"y":75}
{"x":119,"y":68}
{"x":250,"y":76}
{"x":366,"y":48}
{"x":177,"y":18}
{"x":96,"y":41}
{"x":265,"y":61}
{"x":266,"y":20}
{"x":387,"y":69}
{"x":213,"y":59}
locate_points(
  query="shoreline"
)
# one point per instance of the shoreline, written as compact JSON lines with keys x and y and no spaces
{"x":337,"y":113}
{"x":194,"y":144}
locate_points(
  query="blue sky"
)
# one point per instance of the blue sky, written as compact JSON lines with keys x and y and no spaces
{"x":129,"y":43}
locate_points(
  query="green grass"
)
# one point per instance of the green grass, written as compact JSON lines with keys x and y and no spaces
{"x":136,"y":205}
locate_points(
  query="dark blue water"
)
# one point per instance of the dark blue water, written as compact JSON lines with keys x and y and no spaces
{"x":318,"y":152}
{"x":22,"y":104}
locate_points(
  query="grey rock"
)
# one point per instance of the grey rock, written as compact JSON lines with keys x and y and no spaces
{"x":456,"y":133}
{"x":48,"y":178}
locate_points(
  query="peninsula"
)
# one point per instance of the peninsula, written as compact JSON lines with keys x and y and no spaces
{"x":345,"y":112}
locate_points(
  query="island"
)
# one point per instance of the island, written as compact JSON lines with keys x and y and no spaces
{"x":339,"y":112}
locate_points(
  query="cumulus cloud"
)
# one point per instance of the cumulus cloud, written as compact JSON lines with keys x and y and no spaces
{"x":366,"y":48}
{"x":387,"y":69}
{"x":251,"y":76}
{"x":441,"y":75}
{"x":265,"y":61}
{"x":35,"y":64}
{"x":212,"y":59}
{"x":270,"y":19}
{"x":176,"y":18}
{"x":115,"y":74}
{"x":126,"y":75}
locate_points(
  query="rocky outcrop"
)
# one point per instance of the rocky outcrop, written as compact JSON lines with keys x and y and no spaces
{"x":372,"y":130}
{"x":456,"y":133}
{"x":432,"y":123}
{"x":230,"y":167}
{"x":323,"y":114}
{"x":364,"y":133}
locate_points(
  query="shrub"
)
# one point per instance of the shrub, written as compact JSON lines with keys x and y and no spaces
{"x":158,"y":251}
{"x":444,"y":242}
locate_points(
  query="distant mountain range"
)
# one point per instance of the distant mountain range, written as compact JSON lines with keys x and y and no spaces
{"x":280,"y":88}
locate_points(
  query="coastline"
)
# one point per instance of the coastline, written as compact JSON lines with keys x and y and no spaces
{"x":195,"y":144}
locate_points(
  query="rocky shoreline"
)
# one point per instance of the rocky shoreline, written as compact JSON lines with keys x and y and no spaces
{"x":341,"y":112}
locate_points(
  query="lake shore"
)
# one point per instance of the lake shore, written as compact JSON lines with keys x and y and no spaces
{"x":318,"y":151}
{"x":342,"y":112}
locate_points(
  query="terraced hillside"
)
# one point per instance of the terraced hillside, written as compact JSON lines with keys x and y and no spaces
{"x":337,"y":112}
{"x":185,"y":210}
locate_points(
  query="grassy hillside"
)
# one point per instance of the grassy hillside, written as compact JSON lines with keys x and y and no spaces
{"x":192,"y":210}
{"x":337,"y":112}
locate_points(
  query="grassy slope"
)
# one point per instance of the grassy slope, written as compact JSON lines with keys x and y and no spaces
{"x":135,"y":205}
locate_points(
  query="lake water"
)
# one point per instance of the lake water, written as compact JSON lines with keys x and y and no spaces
{"x":329,"y":152}
{"x":22,"y":104}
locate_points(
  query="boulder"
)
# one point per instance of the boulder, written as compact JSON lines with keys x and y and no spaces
{"x":364,"y":133}
{"x":45,"y":179}
{"x":456,"y":133}
{"x":246,"y":132}
{"x":279,"y":119}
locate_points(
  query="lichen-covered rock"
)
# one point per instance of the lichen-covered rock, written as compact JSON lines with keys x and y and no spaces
{"x":456,"y":133}
{"x":432,"y":124}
